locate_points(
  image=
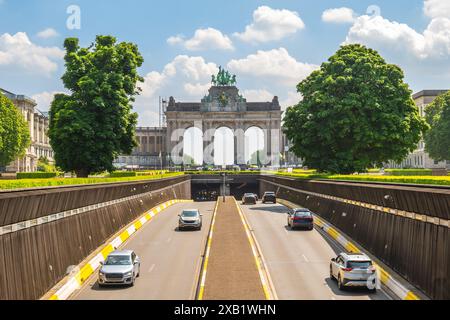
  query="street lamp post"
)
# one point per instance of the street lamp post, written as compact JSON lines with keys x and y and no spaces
{"x":223,"y":174}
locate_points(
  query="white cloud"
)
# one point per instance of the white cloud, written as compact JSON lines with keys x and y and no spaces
{"x":260,"y":95}
{"x":48,"y":33}
{"x":204,"y":39}
{"x":196,"y":89}
{"x":18,"y":51}
{"x":292,"y":99}
{"x":44,"y":99}
{"x":437,"y":8}
{"x":382,"y":34}
{"x":275,"y":65}
{"x":339,"y":15}
{"x":175,"y":40}
{"x":271,"y":24}
{"x":186,"y":78}
{"x":183,"y":69}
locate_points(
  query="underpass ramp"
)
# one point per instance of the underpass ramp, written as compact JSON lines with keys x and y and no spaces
{"x":232,"y":272}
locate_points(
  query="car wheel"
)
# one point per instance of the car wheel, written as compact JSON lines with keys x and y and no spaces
{"x":373,"y":291}
{"x":139,"y":271}
{"x":340,"y":284}
{"x":331,"y":273}
{"x":132,"y":281}
{"x":310,"y":228}
{"x":100,"y":285}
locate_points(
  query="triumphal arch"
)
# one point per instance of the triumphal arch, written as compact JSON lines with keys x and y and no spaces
{"x":224,"y":106}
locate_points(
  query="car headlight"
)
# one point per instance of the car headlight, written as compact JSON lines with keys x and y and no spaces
{"x":128,"y":274}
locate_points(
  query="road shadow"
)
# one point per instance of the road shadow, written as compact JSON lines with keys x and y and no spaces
{"x":177,"y":229}
{"x":110,"y":287}
{"x":351,"y":291}
{"x":271,"y":209}
{"x":296,"y":229}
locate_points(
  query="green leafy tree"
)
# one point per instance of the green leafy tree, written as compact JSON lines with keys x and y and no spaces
{"x":356,"y":112}
{"x":94,"y":124}
{"x":189,"y":160}
{"x":14,"y":132}
{"x":257,"y":158}
{"x":437,"y":139}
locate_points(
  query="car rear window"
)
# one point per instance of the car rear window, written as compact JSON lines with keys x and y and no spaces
{"x":359,"y":264}
{"x":302,"y":214}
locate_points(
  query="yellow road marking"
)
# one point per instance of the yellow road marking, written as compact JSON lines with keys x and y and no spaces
{"x":206,"y":258}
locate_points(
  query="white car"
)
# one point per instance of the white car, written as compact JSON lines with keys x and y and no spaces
{"x":120,"y":267}
{"x":353,"y":270}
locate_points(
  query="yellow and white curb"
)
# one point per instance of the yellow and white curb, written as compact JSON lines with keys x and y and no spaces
{"x":396,"y":287}
{"x":269,"y":291}
{"x":85,"y":271}
{"x":208,"y":250}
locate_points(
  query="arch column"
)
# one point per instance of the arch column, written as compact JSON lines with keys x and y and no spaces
{"x":239,"y":144}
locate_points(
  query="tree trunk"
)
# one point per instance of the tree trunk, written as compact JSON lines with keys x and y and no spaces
{"x":82,"y":173}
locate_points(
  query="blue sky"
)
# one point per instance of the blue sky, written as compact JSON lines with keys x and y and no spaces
{"x":285,"y":40}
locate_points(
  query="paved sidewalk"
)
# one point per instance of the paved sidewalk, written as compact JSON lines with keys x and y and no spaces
{"x":232,"y":273}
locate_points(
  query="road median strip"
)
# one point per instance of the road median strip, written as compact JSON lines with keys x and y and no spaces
{"x":85,"y":270}
{"x":388,"y":280}
{"x":230,"y":271}
{"x":269,"y":290}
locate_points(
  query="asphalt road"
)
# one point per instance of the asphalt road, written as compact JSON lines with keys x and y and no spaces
{"x":170,"y":259}
{"x":298,"y":261}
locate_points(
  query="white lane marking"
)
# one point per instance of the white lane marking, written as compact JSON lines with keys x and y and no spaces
{"x":151,"y":268}
{"x":304,"y":257}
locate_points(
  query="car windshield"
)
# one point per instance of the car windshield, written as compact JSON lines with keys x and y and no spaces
{"x":270,"y":193}
{"x":189,"y":214}
{"x":359,"y":264}
{"x":118,"y":261}
{"x":302,"y":214}
{"x":249,"y":195}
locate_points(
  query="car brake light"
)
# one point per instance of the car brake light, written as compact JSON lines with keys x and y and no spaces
{"x":347,"y":269}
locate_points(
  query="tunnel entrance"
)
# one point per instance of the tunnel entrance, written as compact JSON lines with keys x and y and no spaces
{"x":209,"y":187}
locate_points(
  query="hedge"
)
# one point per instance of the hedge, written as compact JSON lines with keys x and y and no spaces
{"x":409,"y":172}
{"x":36,"y":175}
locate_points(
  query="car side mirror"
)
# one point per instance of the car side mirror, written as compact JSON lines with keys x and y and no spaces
{"x":102,"y":263}
{"x":333,"y":259}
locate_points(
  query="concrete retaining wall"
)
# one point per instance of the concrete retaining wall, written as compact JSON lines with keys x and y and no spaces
{"x":416,"y":249}
{"x":35,"y":258}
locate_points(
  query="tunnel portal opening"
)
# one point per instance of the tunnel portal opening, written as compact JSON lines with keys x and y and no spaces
{"x":209,"y":188}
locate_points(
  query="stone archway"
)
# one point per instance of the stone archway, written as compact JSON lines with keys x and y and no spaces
{"x":224,"y":107}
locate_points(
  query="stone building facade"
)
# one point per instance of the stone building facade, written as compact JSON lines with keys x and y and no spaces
{"x":419,"y":158}
{"x":223,"y":106}
{"x":38,"y":123}
{"x":149,"y":153}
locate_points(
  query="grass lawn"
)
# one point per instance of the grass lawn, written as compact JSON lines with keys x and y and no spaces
{"x":33,"y":183}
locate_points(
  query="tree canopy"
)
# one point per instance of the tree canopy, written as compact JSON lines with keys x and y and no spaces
{"x":437,"y":139}
{"x":356,"y":112}
{"x":14,"y":132}
{"x":93,"y":124}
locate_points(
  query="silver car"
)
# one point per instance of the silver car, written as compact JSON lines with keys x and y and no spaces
{"x":120,"y":267}
{"x":353,"y":270}
{"x":190,"y":219}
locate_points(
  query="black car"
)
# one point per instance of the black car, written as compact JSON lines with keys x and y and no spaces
{"x":249,"y":198}
{"x":269,"y":197}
